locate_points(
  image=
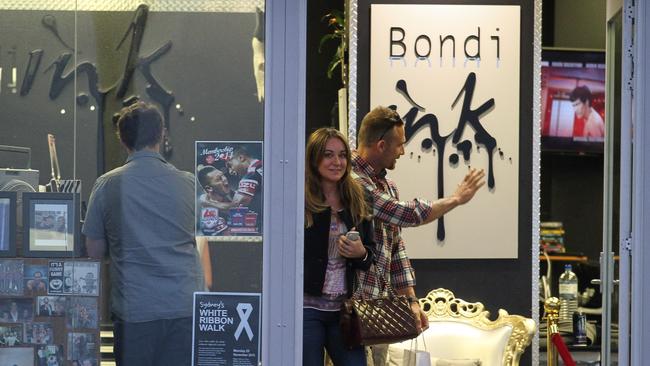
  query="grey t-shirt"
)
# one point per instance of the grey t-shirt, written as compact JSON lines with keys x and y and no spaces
{"x":145,"y":212}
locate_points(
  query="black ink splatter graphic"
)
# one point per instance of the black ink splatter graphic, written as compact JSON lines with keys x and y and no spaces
{"x":59,"y":82}
{"x":403,"y":89}
{"x":49,"y":22}
{"x":33,"y":64}
{"x":468,"y":116}
{"x":472,"y":117}
{"x":466,"y":148}
{"x":60,"y":79}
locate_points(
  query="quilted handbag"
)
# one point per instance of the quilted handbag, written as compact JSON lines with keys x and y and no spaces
{"x":377,"y":321}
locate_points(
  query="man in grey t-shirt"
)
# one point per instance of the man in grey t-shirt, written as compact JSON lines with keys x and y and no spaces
{"x":142,"y":214}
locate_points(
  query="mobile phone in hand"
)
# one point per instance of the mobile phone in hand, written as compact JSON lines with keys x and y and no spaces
{"x":352,"y":235}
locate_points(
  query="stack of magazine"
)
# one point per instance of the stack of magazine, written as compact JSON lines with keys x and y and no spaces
{"x":551,"y":237}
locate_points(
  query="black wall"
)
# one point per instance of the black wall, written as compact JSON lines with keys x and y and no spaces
{"x":321,"y":91}
{"x":572,"y":192}
{"x":496,"y":283}
{"x":571,"y":182}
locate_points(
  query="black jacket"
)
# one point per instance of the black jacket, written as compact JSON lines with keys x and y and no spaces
{"x":317,"y":242}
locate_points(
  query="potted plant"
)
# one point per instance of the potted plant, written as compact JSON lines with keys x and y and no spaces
{"x":337,"y":22}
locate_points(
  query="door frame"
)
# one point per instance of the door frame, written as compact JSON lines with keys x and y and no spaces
{"x":284,"y":155}
{"x":636,"y":33}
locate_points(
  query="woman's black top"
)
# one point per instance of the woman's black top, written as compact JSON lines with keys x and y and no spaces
{"x":316,"y":245}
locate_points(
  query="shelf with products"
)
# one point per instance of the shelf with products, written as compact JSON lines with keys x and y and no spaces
{"x":564,"y":258}
{"x":50,"y":310}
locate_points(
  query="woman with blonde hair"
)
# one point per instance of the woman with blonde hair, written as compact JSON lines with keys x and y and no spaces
{"x":338,"y":243}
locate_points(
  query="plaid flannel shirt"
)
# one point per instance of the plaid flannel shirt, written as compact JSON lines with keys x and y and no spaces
{"x":390,"y":215}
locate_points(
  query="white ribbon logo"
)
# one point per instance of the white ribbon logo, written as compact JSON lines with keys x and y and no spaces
{"x":244,"y":311}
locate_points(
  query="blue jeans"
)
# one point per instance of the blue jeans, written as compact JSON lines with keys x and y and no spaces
{"x":320,"y":331}
{"x":166,"y":342}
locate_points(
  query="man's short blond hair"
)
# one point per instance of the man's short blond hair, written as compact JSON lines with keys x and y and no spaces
{"x":377,"y":124}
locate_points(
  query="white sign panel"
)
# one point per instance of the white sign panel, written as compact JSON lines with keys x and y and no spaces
{"x":452,"y":72}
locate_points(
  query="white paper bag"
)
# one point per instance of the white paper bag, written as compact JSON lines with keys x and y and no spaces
{"x":415,"y":357}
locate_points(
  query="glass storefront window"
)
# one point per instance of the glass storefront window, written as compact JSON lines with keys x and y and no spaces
{"x":67,"y":68}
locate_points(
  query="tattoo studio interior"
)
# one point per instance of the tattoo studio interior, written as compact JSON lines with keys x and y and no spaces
{"x":447,"y":182}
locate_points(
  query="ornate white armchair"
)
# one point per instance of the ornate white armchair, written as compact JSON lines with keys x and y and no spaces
{"x":461,"y":334}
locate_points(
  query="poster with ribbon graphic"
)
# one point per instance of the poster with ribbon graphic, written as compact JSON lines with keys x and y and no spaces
{"x":226,"y":329}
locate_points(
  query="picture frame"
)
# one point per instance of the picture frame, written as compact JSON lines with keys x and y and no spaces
{"x":82,"y":313}
{"x":8,"y":224}
{"x":51,"y":225}
{"x":16,"y":309}
{"x":17,"y":356}
{"x":12,"y":272}
{"x":12,"y":333}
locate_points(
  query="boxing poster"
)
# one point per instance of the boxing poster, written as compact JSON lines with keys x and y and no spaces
{"x":229,"y":186}
{"x":453,"y":74}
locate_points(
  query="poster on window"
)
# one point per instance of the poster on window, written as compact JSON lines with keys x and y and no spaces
{"x":452,"y":72}
{"x":226,"y":329}
{"x":229,"y":185}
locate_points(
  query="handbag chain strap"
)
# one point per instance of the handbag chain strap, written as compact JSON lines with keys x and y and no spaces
{"x":382,"y":279}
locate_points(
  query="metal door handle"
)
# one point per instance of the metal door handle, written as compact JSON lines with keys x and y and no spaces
{"x":596,"y":281}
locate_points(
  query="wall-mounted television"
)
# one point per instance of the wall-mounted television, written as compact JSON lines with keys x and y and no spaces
{"x":573,"y":100}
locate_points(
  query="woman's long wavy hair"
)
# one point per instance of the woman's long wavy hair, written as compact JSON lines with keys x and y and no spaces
{"x":351,"y":192}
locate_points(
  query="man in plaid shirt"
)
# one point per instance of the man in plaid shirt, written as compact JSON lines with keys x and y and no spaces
{"x":380,"y":143}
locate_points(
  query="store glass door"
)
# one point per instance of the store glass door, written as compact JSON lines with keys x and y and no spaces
{"x":614,"y":259}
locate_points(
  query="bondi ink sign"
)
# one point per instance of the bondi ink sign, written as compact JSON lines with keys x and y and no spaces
{"x":226,"y":329}
{"x":452,"y":73}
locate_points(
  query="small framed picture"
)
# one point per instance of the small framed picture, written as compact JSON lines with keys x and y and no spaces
{"x":11,"y":335}
{"x":39,"y":333}
{"x":82,"y":346}
{"x":7,"y":224}
{"x":82,"y":313}
{"x":48,"y":306}
{"x":19,"y":356}
{"x":35,"y":277}
{"x":16,"y":310}
{"x":12,"y":272}
{"x":52,"y":354}
{"x":51,"y":222}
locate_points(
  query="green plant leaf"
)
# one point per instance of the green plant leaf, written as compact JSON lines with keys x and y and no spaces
{"x":336,"y":23}
{"x":326,"y":17}
{"x":340,"y":52}
{"x":325,"y":38}
{"x":338,"y":16}
{"x":332,"y":66}
{"x":335,"y":19}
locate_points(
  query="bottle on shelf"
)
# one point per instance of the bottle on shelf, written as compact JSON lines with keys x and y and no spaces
{"x":568,"y":288}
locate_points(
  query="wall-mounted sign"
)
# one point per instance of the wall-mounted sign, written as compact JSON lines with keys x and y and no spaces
{"x":452,"y":72}
{"x":226,"y":329}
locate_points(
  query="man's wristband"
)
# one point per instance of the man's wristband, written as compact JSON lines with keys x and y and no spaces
{"x":413,"y":299}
